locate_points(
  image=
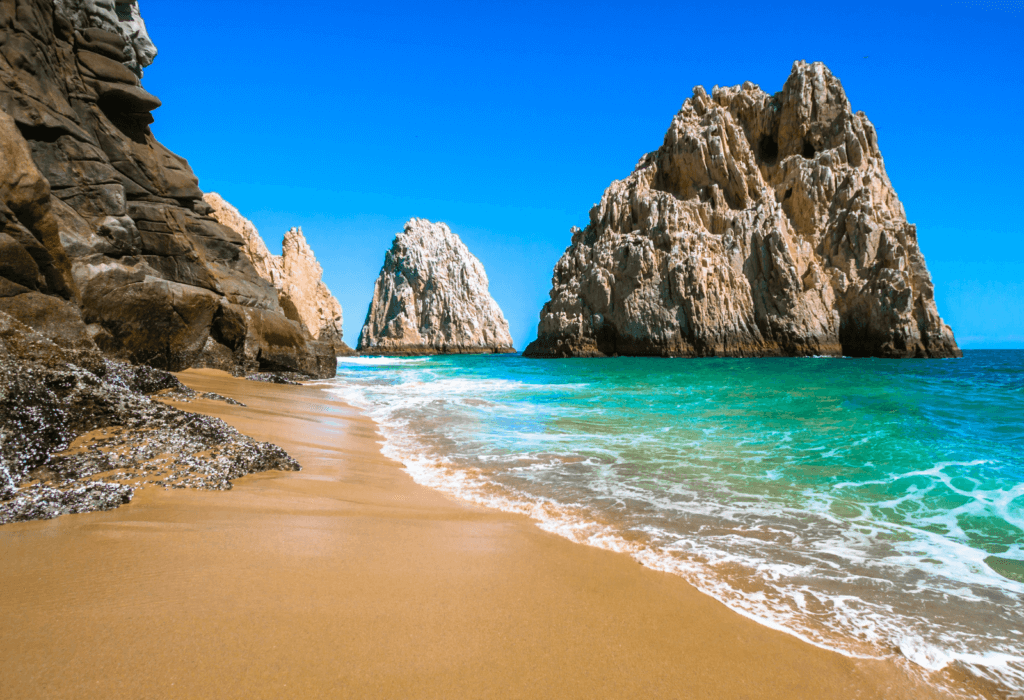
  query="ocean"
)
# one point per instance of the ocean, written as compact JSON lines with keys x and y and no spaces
{"x":874,"y":507}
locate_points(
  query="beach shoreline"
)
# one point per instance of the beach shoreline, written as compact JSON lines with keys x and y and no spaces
{"x":348,"y":579}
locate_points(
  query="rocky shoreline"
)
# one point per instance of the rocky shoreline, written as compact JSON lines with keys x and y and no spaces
{"x":79,"y":432}
{"x":765,"y":225}
{"x":115,"y":271}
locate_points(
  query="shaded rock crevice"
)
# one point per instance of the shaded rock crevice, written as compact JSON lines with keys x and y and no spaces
{"x":765,"y":225}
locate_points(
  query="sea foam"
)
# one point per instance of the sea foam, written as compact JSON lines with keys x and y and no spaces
{"x":810,"y":496}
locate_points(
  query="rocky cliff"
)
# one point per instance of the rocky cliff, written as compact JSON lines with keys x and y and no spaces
{"x":765,"y":225}
{"x":432,"y":297}
{"x":296,"y":275}
{"x":105,"y":239}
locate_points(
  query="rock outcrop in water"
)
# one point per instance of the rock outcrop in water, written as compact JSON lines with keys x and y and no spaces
{"x":432,"y":298}
{"x":296,"y":275}
{"x":106,"y":240}
{"x":765,"y":225}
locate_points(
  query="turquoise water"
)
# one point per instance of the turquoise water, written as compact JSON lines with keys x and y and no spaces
{"x":870,"y":506}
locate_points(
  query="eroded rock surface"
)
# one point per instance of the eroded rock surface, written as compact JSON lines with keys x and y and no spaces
{"x":764,"y":225}
{"x":432,"y":297}
{"x":80,"y":433}
{"x":121,"y":18}
{"x":99,"y":216}
{"x":296,"y":275}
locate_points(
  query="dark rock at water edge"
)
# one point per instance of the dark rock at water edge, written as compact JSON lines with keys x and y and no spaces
{"x":49,"y":396}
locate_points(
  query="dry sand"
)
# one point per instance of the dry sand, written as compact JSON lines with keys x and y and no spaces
{"x":348,"y":580}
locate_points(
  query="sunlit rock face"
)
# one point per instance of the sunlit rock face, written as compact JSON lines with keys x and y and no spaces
{"x":765,"y":225}
{"x":106,"y":234}
{"x":432,"y":297}
{"x":296,"y":274}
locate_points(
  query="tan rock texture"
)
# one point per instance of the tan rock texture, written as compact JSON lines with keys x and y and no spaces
{"x":104,"y":228}
{"x":296,"y":275}
{"x":765,"y":225}
{"x":267,"y":265}
{"x":432,"y":297}
{"x":304,"y":295}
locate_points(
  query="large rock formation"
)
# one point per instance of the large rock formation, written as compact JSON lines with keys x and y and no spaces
{"x":764,"y":225}
{"x":104,"y":229}
{"x":432,"y":297}
{"x":295,"y":274}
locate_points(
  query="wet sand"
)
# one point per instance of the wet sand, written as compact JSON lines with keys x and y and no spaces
{"x":348,"y":580}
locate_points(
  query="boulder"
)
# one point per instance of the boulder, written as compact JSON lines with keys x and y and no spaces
{"x":152,"y":320}
{"x":432,"y":297}
{"x":765,"y":225}
{"x":274,"y":343}
{"x":245,"y":340}
{"x":53,"y":318}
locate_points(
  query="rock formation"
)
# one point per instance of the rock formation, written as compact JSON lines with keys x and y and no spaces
{"x":116,"y":16}
{"x":432,"y":297}
{"x":295,"y":274}
{"x":267,"y":265}
{"x":765,"y":225}
{"x":106,"y":239}
{"x":78,"y":433}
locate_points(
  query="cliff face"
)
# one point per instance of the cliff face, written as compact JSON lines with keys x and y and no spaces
{"x":304,"y":296}
{"x":432,"y":297}
{"x":765,"y":225}
{"x":296,"y":275}
{"x":123,"y":251}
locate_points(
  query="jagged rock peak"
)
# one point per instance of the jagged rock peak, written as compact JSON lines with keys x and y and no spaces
{"x":432,"y":297}
{"x":304,"y":291}
{"x":267,"y":265}
{"x":296,"y":274}
{"x":117,"y":17}
{"x":765,"y":225}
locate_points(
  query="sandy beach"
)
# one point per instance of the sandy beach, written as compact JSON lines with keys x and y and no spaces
{"x":347,"y":579}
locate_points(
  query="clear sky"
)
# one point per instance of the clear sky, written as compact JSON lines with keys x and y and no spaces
{"x":508,"y":120}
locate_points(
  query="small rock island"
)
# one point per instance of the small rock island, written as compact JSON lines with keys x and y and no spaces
{"x":765,"y":225}
{"x":432,"y":298}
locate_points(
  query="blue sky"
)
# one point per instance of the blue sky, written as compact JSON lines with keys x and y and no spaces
{"x":508,"y":120}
